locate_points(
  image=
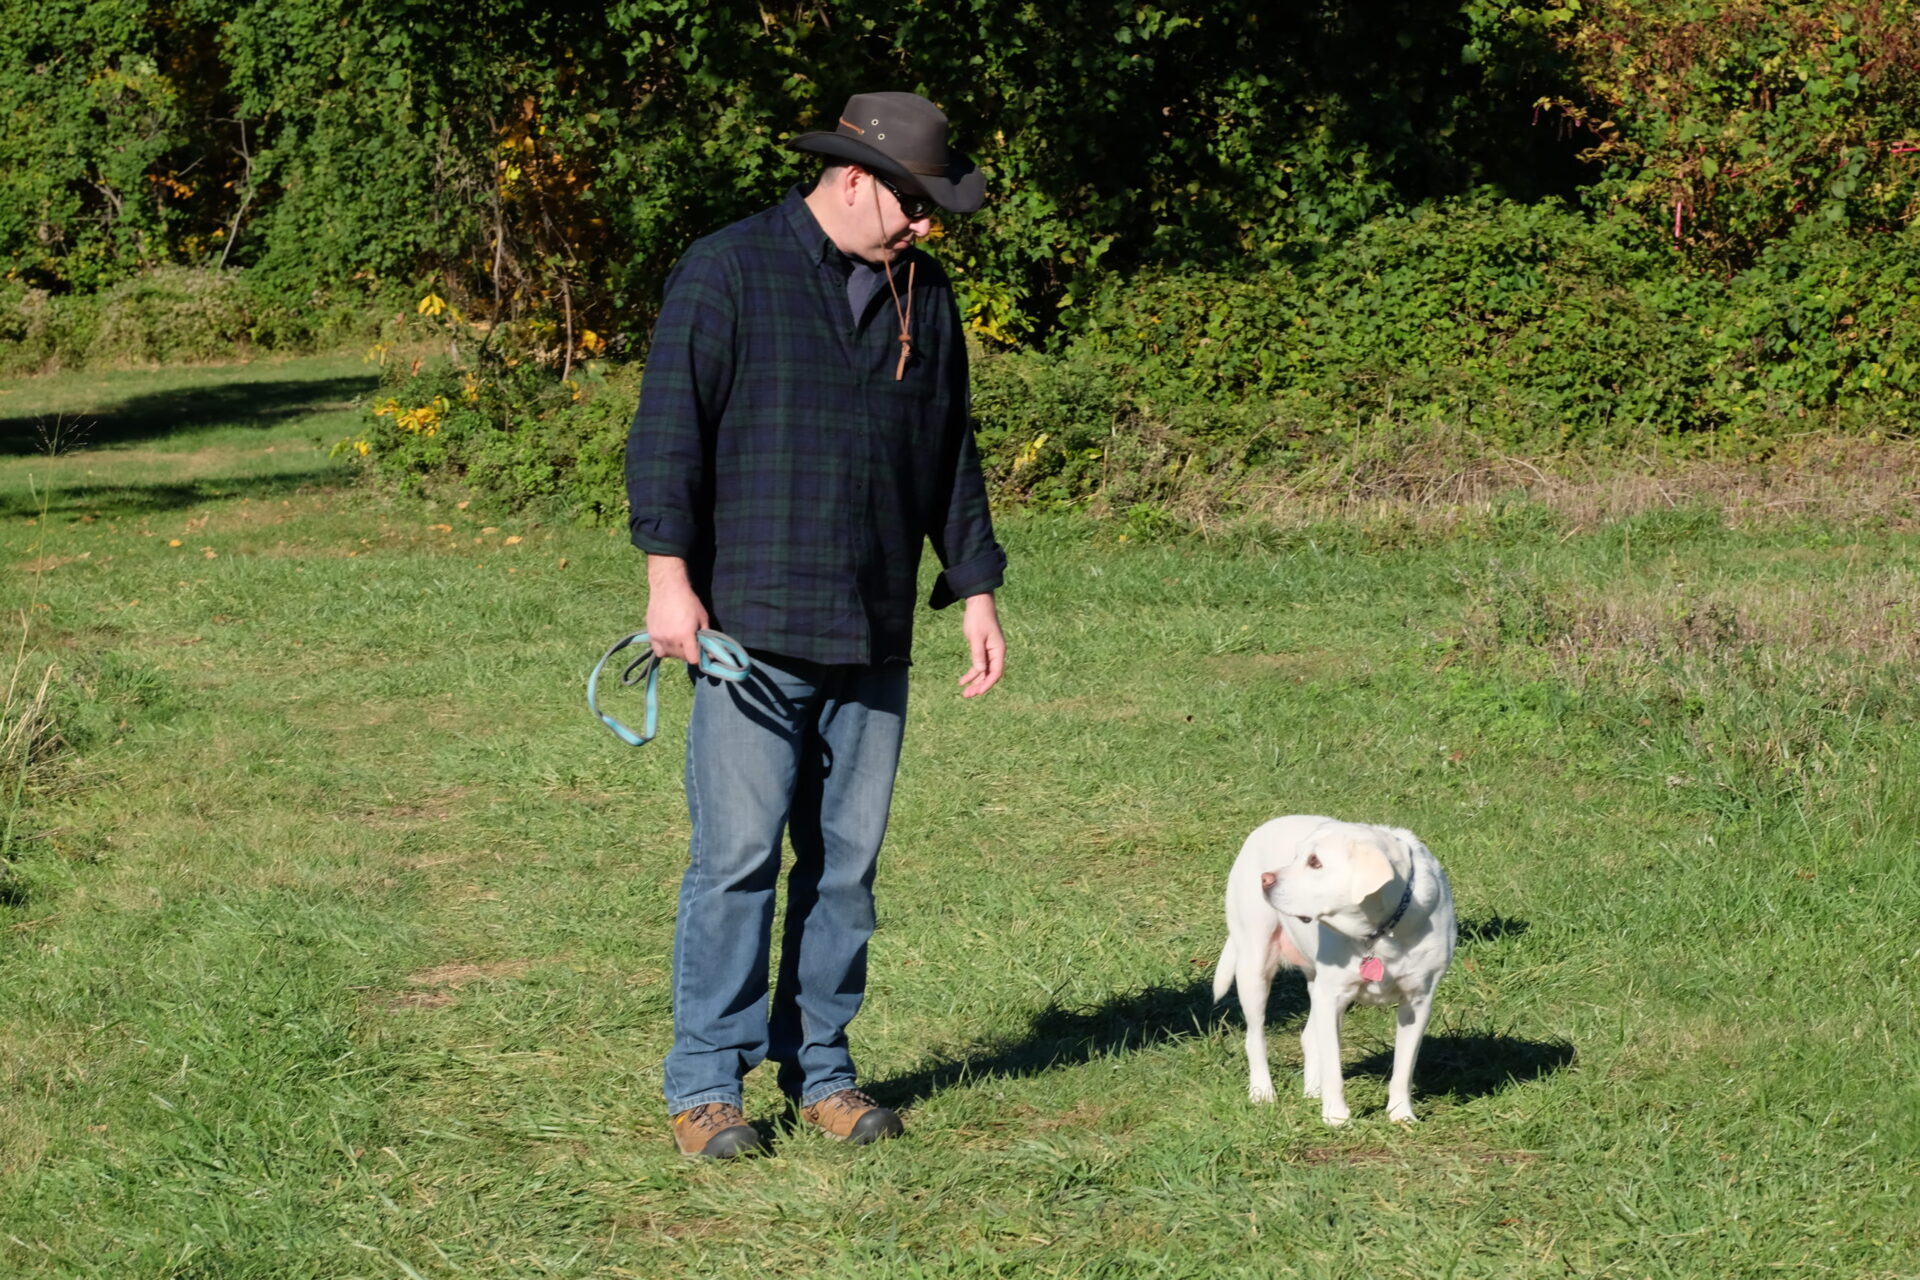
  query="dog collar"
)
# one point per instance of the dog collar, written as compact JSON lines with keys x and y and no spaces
{"x":1406,"y":900}
{"x":1372,"y":967}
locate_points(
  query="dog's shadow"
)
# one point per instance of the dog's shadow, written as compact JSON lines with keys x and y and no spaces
{"x":1457,"y":1065}
{"x":1492,"y":928}
{"x":1461,"y":1065}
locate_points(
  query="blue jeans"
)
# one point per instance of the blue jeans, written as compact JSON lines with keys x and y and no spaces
{"x":811,"y":749}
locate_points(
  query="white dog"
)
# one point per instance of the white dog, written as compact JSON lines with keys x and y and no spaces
{"x":1365,"y":912}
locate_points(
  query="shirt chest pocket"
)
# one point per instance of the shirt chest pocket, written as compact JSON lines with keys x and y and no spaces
{"x":909,"y":404}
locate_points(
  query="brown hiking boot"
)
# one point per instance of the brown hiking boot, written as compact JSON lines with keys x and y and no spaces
{"x":715,"y":1129}
{"x":852,"y":1116}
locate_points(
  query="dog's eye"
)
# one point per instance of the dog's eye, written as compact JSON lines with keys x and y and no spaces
{"x":1313,"y":860}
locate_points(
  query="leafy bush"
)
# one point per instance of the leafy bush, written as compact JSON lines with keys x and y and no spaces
{"x":1527,"y":327}
{"x":1822,"y":325}
{"x":512,"y":431}
{"x":1722,"y":128}
{"x":1045,"y":425}
{"x":37,"y":330}
{"x":1525,"y":323}
{"x":174,"y":315}
{"x":1472,"y":327}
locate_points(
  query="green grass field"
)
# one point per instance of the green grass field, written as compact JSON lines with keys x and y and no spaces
{"x":334,"y":942}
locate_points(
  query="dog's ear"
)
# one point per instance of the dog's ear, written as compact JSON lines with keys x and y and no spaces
{"x":1372,"y":871}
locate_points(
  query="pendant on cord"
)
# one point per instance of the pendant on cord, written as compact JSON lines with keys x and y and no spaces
{"x":906,"y":318}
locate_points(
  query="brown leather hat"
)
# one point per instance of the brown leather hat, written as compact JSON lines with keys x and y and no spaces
{"x":902,"y":137}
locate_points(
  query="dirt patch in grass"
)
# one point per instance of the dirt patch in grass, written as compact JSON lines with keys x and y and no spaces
{"x":1082,"y":1115}
{"x":437,"y":987}
{"x":460,"y":974}
{"x":1086,"y":1116}
{"x":438,"y":712}
{"x":421,"y":811}
{"x":413,"y":1000}
{"x":675,"y":1225}
{"x":1350,"y":1155}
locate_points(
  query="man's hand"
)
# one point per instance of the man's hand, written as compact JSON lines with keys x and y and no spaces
{"x":675,"y":615}
{"x":981,"y":626}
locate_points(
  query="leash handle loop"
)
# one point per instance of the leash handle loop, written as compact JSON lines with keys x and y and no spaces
{"x":720,"y":657}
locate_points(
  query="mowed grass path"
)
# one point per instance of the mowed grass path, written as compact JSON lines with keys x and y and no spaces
{"x":339,"y":943}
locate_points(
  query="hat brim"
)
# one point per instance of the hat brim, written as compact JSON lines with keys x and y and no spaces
{"x":959,"y":190}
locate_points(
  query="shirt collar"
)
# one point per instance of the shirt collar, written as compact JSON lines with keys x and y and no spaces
{"x":813,"y":238}
{"x":806,"y":228}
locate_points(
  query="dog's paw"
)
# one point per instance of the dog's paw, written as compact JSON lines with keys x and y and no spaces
{"x":1402,"y":1115}
{"x":1335,"y":1118}
{"x":1259,"y":1093}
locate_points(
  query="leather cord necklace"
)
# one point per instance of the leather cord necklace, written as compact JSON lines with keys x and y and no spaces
{"x":905,"y":314}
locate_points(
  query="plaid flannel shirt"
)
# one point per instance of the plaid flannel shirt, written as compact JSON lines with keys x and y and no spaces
{"x":774,"y":451}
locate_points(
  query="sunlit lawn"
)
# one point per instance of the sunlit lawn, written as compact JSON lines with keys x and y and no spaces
{"x":336,"y":943}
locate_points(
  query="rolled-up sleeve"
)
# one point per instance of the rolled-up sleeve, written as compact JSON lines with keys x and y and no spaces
{"x":683,"y":393}
{"x":972,"y":561}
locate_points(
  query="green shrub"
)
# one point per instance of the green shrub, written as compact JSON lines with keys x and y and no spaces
{"x":512,"y":431}
{"x":1523,"y":323}
{"x":169,"y":315}
{"x":1471,"y":328}
{"x":36,"y":328}
{"x":176,"y":315}
{"x":1723,"y":128}
{"x":1822,"y":325}
{"x":1045,"y":425}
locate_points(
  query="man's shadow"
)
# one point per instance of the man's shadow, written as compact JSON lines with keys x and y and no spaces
{"x":1456,"y":1065}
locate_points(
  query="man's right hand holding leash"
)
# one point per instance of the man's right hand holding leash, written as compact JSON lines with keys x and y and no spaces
{"x":675,"y":616}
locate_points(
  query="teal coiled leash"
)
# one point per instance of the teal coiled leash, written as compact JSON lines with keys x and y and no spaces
{"x":720,"y":656}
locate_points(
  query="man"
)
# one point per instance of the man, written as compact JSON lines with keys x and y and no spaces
{"x":802,"y":428}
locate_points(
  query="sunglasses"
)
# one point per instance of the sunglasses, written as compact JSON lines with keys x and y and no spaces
{"x":915,"y":207}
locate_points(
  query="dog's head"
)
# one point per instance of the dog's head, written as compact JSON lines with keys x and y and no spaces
{"x":1336,"y":873}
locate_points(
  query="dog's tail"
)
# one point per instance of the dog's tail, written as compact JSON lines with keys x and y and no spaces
{"x":1223,"y":973}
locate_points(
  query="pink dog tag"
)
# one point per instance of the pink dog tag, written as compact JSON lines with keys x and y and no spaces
{"x":1372,"y":970}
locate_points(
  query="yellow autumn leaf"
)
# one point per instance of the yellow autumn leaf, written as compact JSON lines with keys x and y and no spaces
{"x":1030,"y":452}
{"x":432,"y":305}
